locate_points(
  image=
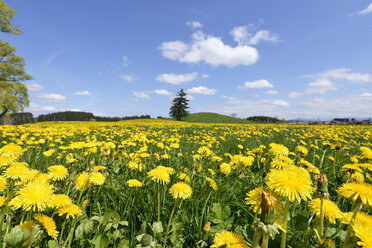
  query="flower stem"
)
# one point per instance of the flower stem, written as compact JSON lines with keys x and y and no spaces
{"x":265,"y":241}
{"x":321,"y":216}
{"x":256,"y":238}
{"x":350,"y":227}
{"x":285,"y":216}
{"x":169,"y":222}
{"x":158,"y":202}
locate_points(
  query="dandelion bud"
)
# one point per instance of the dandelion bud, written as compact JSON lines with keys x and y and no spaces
{"x":338,"y":146}
{"x":328,"y":243}
{"x":86,"y":202}
{"x":17,"y":236}
{"x":322,"y":183}
{"x":207,"y":227}
{"x":263,"y":161}
{"x":268,"y":204}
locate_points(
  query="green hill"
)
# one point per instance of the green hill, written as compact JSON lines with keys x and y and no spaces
{"x":213,"y":118}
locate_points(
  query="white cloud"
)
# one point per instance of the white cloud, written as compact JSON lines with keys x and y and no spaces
{"x":52,"y":97}
{"x":173,"y":78}
{"x":205,"y":76}
{"x":346,"y":74}
{"x":34,"y":87}
{"x":258,"y":84}
{"x":366,"y":94}
{"x":141,"y":95}
{"x":50,"y":58}
{"x":242,"y":35}
{"x":173,"y":50}
{"x":202,"y":91}
{"x":319,"y":86}
{"x":162,"y":92}
{"x":280,"y":103}
{"x":190,"y":97}
{"x":128,"y":77}
{"x":366,"y":10}
{"x":125,"y":61}
{"x":194,"y":24}
{"x":73,"y":109}
{"x":209,"y":49}
{"x":271,"y":92}
{"x":82,"y":93}
{"x":36,"y":108}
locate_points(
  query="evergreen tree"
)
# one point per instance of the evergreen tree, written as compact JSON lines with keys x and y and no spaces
{"x":179,"y":106}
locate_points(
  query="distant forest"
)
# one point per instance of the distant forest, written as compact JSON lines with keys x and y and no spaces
{"x":23,"y":118}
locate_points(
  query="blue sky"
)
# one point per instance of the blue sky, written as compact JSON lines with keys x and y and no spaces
{"x":290,"y":59}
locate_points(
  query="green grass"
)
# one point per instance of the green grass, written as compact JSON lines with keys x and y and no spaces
{"x":213,"y":118}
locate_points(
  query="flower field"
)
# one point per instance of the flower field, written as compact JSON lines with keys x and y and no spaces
{"x":157,"y":183}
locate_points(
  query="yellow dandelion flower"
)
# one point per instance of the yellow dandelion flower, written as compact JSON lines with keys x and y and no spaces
{"x":280,"y":162}
{"x":170,"y":170}
{"x":159,"y":175}
{"x":134,"y":183}
{"x":2,"y":183}
{"x":362,"y":218}
{"x":34,"y":195}
{"x":43,"y":177}
{"x":366,"y":152}
{"x":364,"y":235}
{"x":82,"y":181}
{"x":310,"y":167}
{"x":49,"y":153}
{"x":16,"y":171}
{"x":98,"y":168}
{"x":11,"y":150}
{"x":29,"y":176}
{"x":70,"y":210}
{"x":225,"y":168}
{"x":357,"y":191}
{"x":180,"y":190}
{"x":184,"y":177}
{"x":351,"y":168}
{"x":5,"y":161}
{"x":331,"y":211}
{"x":61,"y":200}
{"x":97,"y":178}
{"x":302,"y":151}
{"x":57,"y":172}
{"x":228,"y":239}
{"x":2,"y":200}
{"x":293,"y":183}
{"x":211,"y":183}
{"x":278,"y":149}
{"x":211,"y":171}
{"x":48,"y":224}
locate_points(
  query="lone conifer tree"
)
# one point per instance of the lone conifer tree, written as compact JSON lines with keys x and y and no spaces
{"x":179,"y":106}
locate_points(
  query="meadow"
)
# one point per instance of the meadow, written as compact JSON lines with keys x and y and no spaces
{"x":161,"y":183}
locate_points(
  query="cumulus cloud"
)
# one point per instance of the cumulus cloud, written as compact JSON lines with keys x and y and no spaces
{"x":125,"y":61}
{"x":209,"y":49}
{"x":33,"y":107}
{"x":128,"y":77}
{"x":141,"y":95}
{"x":52,"y":97}
{"x":345,"y":74}
{"x":258,"y":84}
{"x":319,"y":86}
{"x":242,"y":35}
{"x":205,"y":76}
{"x":82,"y":93}
{"x":271,"y":92}
{"x":162,"y":92}
{"x":173,"y":78}
{"x":280,"y":103}
{"x":201,"y":90}
{"x":34,"y":87}
{"x":366,"y":94}
{"x":194,"y":24}
{"x":190,"y":97}
{"x":365,"y":11}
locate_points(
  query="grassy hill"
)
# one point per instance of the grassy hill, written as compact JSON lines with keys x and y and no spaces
{"x":213,"y":118}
